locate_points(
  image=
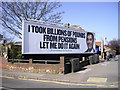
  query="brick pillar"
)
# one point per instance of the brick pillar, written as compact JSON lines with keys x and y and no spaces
{"x":62,"y":64}
{"x":30,"y":61}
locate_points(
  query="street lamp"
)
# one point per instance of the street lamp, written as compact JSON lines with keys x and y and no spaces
{"x":102,"y":47}
{"x":103,"y":42}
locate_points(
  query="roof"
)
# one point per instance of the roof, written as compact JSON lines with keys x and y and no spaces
{"x":98,"y":43}
{"x":18,"y":43}
{"x":77,"y":27}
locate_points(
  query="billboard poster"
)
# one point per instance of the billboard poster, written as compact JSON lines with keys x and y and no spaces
{"x":51,"y":39}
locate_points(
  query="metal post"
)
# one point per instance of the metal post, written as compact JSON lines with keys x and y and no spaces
{"x":102,"y":47}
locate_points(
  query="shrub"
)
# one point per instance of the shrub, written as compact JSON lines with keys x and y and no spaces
{"x":14,"y":52}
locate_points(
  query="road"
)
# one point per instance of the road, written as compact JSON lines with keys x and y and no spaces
{"x":99,"y":75}
{"x":15,"y":83}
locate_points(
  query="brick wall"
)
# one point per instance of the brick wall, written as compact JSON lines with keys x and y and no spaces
{"x":36,"y":68}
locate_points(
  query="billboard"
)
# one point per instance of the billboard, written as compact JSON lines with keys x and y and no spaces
{"x":51,"y":39}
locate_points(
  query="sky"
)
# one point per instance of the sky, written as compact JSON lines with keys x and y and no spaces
{"x":98,"y":17}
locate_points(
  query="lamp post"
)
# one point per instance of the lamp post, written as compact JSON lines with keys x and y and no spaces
{"x":103,"y":42}
{"x":102,"y":48}
{"x":1,"y":47}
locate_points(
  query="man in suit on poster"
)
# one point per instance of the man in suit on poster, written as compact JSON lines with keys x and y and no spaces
{"x":90,"y":42}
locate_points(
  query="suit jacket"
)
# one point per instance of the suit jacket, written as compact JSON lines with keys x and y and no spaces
{"x":90,"y":50}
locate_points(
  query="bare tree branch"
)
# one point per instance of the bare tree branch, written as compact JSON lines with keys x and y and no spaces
{"x":14,"y":12}
{"x":114,"y":45}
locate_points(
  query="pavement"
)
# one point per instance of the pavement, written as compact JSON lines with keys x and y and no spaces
{"x":81,"y":77}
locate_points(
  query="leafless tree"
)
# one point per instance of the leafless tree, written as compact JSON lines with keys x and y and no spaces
{"x":1,"y":37}
{"x":115,"y":45}
{"x":14,"y":12}
{"x":5,"y":38}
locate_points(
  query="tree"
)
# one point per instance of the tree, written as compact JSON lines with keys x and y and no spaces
{"x":14,"y":52}
{"x":114,"y":45}
{"x":5,"y":38}
{"x":14,"y":12}
{"x":1,"y":37}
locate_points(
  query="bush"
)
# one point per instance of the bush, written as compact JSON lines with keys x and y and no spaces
{"x":19,"y":55}
{"x":14,"y":52}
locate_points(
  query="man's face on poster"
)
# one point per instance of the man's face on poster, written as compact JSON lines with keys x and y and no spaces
{"x":90,"y":41}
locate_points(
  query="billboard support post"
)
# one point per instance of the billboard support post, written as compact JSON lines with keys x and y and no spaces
{"x":30,"y":61}
{"x":62,"y":64}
